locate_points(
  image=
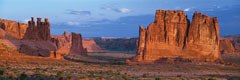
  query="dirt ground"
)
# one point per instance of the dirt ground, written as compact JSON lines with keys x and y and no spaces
{"x":111,"y":66}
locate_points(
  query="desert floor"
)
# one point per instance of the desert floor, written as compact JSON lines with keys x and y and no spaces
{"x":111,"y":66}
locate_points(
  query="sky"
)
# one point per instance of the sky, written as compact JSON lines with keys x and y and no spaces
{"x":116,"y":18}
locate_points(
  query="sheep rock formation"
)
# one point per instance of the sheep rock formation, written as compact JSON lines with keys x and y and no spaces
{"x":226,"y":46}
{"x":172,"y":35}
{"x":62,"y":42}
{"x":77,"y":46}
{"x":40,"y":31}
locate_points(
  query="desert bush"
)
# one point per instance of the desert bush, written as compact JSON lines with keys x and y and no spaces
{"x":145,"y":75}
{"x":157,"y":78}
{"x":60,"y":75}
{"x":1,"y":72}
{"x":23,"y":76}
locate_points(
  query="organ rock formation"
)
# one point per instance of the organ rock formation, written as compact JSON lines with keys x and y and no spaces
{"x":171,"y":35}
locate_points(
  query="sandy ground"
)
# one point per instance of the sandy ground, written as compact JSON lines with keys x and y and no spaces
{"x":111,"y":66}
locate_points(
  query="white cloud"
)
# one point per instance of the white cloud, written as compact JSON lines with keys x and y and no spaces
{"x":71,"y":23}
{"x":124,"y":10}
{"x":119,"y":10}
{"x":187,"y":9}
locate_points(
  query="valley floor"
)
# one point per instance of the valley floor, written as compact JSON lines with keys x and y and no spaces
{"x":109,"y":66}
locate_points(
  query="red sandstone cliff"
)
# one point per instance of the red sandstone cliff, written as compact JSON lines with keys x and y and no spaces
{"x":14,"y":29}
{"x":91,"y":46}
{"x":226,"y":46}
{"x":171,"y":35}
{"x":202,"y":41}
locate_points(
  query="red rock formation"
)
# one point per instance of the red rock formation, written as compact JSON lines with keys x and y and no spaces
{"x":77,"y":46}
{"x":226,"y":46}
{"x":91,"y":46}
{"x":14,"y":29}
{"x":62,"y":42}
{"x":2,"y":34}
{"x":171,"y":36}
{"x":203,"y":38}
{"x":40,"y":31}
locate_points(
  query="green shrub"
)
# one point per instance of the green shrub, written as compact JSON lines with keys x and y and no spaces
{"x":1,"y":72}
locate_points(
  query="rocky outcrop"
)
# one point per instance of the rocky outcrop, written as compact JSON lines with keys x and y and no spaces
{"x":14,"y":29}
{"x":77,"y":46}
{"x":91,"y":46}
{"x":40,"y":31}
{"x":62,"y":42}
{"x":172,"y":35}
{"x":226,"y":46}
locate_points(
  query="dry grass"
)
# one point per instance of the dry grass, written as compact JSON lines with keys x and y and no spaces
{"x":18,"y":66}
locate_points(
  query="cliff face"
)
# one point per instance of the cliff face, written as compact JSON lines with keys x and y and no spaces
{"x":40,"y":31}
{"x":203,"y":38}
{"x":14,"y":29}
{"x":172,"y":35}
{"x":226,"y":46}
{"x":91,"y":46}
{"x":77,"y":46}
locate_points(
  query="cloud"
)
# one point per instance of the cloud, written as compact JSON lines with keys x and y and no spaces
{"x":187,"y":9}
{"x":119,"y":10}
{"x":71,"y":23}
{"x":122,"y":10}
{"x":76,"y":12}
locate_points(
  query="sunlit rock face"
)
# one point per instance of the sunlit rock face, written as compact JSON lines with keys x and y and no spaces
{"x":24,"y":38}
{"x":2,"y":34}
{"x":14,"y":29}
{"x":77,"y":46}
{"x":172,"y":35}
{"x":226,"y":46}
